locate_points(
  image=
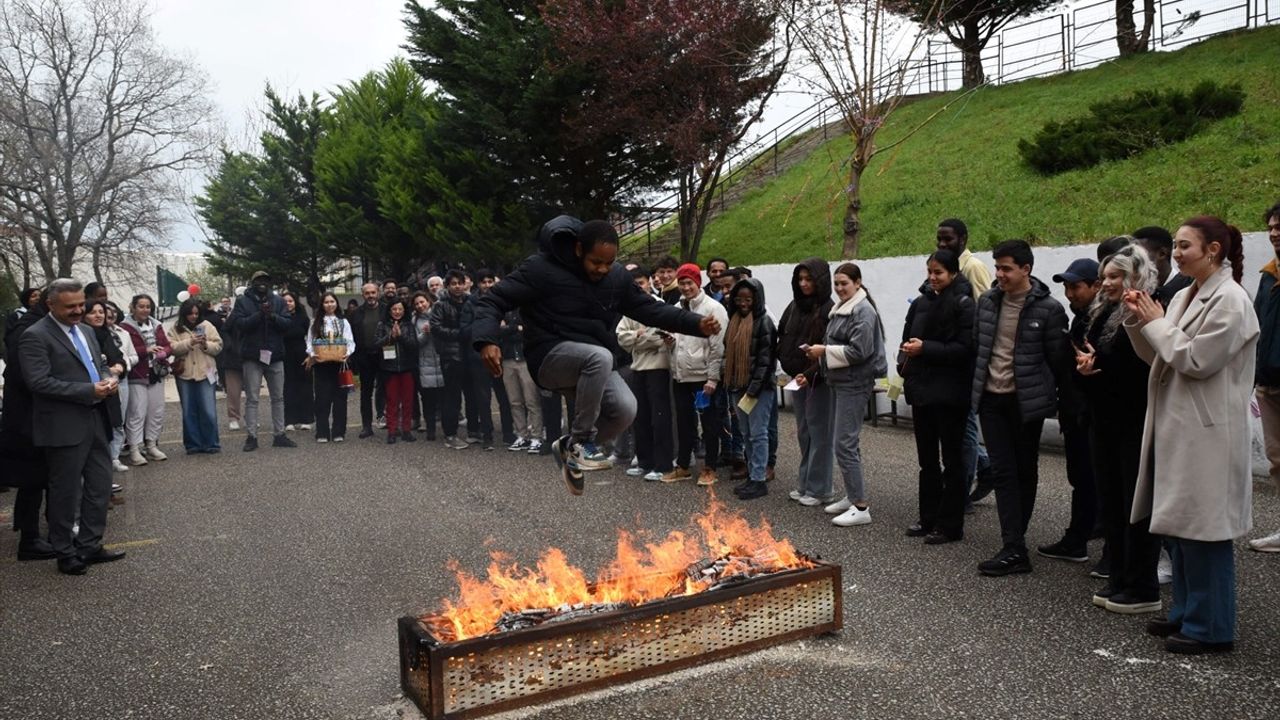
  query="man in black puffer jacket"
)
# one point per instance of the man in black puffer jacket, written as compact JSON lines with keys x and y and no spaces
{"x":571,"y":296}
{"x":1024,"y":356}
{"x":449,"y":317}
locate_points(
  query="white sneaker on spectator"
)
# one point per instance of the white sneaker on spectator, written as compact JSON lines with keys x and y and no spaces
{"x":853,"y":516}
{"x":535,"y":447}
{"x":304,"y":426}
{"x":795,"y":495}
{"x":289,"y":428}
{"x":1164,"y":569}
{"x":233,"y":425}
{"x":652,"y":476}
{"x":810,"y":501}
{"x":636,"y":471}
{"x":153,"y":452}
{"x":119,"y":466}
{"x":838,"y":507}
{"x":380,"y":423}
{"x":135,"y":457}
{"x":518,"y":445}
{"x":1270,"y":543}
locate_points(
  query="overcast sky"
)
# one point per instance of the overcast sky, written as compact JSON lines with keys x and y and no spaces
{"x":296,"y":45}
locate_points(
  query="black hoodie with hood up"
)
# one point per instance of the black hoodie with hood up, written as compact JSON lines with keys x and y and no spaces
{"x":804,"y":322}
{"x":560,"y":304}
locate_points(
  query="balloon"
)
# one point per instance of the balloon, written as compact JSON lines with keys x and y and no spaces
{"x":194,"y":289}
{"x":240,"y":290}
{"x":184,"y":296}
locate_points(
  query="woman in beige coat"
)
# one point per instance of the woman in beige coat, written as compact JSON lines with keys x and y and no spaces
{"x":195,"y":343}
{"x":1194,"y":480}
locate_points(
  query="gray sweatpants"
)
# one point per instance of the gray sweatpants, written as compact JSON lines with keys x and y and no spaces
{"x":812,"y":406}
{"x":850,"y":408}
{"x":603,"y":404}
{"x":253,"y":372}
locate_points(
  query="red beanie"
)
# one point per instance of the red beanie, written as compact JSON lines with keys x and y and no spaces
{"x":691,"y":271}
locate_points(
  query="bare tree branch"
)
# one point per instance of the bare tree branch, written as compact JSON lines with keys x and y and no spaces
{"x":98,"y":124}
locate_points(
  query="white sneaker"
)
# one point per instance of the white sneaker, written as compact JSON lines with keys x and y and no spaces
{"x":233,"y":425}
{"x":1270,"y":543}
{"x":535,"y":447}
{"x":653,"y":476}
{"x":119,"y":466}
{"x":838,"y":507}
{"x":340,"y":438}
{"x":1164,"y":569}
{"x":380,"y":423}
{"x":322,"y":440}
{"x":810,"y":501}
{"x":795,"y":495}
{"x":289,"y":428}
{"x":304,"y":426}
{"x":853,"y":516}
{"x":636,"y":471}
{"x":153,"y":452}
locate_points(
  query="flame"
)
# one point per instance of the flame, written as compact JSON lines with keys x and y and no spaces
{"x":640,"y":572}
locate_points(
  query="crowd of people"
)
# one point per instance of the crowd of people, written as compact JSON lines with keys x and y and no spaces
{"x":602,"y":364}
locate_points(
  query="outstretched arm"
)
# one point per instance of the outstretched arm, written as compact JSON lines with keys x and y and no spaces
{"x":637,"y":305}
{"x":514,"y":291}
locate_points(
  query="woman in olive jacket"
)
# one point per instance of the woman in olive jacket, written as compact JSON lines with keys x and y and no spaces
{"x":936,"y":364}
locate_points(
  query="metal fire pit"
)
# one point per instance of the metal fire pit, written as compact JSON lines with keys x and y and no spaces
{"x":491,"y":673}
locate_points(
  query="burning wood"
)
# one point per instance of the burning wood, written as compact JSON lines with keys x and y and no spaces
{"x":719,"y":550}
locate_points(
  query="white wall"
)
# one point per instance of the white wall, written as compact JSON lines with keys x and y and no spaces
{"x":894,"y":282}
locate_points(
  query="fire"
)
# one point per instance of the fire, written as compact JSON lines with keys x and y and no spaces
{"x":640,"y":572}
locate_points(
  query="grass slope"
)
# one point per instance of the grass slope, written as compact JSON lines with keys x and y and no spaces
{"x":965,"y":164}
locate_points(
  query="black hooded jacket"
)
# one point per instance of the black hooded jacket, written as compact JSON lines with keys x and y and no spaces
{"x":941,"y":373}
{"x":560,"y":304}
{"x":764,"y":339}
{"x":804,"y":322}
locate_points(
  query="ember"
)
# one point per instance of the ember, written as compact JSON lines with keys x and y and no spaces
{"x":720,"y":549}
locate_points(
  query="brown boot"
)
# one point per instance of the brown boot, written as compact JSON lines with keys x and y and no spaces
{"x":740,"y":471}
{"x":707,"y":477}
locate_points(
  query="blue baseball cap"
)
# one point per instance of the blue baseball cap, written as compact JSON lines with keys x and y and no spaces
{"x":1082,"y":270}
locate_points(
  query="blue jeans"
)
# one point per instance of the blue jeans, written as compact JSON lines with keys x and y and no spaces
{"x":755,"y":432}
{"x":199,"y":416}
{"x":1204,"y":589}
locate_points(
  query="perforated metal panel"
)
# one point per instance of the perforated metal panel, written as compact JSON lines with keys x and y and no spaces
{"x":484,"y":675}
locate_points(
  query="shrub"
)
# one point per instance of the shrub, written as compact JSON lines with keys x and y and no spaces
{"x":1123,"y":127}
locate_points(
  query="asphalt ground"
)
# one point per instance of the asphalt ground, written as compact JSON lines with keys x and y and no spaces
{"x":267,"y":585}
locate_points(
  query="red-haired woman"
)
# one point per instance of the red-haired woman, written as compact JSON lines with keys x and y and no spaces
{"x":1194,"y":481}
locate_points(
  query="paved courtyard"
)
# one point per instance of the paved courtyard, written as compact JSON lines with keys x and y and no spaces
{"x":267,"y":585}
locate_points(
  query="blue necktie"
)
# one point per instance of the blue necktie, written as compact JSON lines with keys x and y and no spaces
{"x":84,"y":354}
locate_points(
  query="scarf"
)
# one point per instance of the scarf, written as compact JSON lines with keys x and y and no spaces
{"x":737,"y":351}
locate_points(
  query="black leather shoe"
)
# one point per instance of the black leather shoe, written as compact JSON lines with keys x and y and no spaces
{"x":391,"y":439}
{"x":937,"y":537}
{"x":250,"y":443}
{"x":283,"y":441}
{"x":917,"y":530}
{"x":37,"y":549}
{"x":72,"y":566}
{"x":1183,"y":645}
{"x":408,"y":436}
{"x":1161,"y":627}
{"x":753,"y":491}
{"x":366,"y":433}
{"x":102,"y":555}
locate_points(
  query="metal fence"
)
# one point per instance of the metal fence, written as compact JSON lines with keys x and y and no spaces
{"x":1077,"y":38}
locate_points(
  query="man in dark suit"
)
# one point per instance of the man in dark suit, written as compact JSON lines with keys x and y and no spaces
{"x":64,"y":369}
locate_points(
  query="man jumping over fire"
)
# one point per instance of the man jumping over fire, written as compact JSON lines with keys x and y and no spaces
{"x":571,"y":295}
